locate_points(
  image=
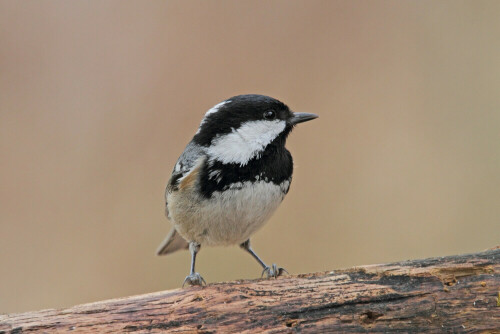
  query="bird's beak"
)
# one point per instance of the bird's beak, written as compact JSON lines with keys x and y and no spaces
{"x":299,"y":117}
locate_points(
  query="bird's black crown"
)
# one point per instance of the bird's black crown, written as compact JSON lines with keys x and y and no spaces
{"x":235,"y":111}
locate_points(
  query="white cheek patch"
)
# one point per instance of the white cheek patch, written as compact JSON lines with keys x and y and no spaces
{"x":212,"y":110}
{"x":246,"y":142}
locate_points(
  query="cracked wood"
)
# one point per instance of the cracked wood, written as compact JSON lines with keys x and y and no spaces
{"x":447,"y":294}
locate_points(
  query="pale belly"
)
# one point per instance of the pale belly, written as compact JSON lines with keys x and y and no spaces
{"x":228,"y":217}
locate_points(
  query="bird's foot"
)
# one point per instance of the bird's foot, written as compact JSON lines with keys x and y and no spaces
{"x":273,"y":271}
{"x":194,"y":279}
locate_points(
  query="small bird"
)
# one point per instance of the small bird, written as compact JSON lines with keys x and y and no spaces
{"x":231,"y":178}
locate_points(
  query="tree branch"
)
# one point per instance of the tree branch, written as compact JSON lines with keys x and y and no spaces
{"x":446,"y":294}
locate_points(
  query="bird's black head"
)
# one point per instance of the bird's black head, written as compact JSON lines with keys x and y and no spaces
{"x":236,"y":129}
{"x":229,"y":115}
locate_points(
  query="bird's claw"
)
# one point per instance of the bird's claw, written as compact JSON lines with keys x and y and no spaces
{"x":194,"y":279}
{"x":273,"y":271}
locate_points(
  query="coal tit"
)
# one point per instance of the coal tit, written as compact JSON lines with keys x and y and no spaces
{"x":231,"y":177}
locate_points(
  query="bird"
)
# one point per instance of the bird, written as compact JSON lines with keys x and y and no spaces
{"x":230,"y":178}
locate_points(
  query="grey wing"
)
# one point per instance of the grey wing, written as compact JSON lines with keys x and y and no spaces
{"x":183,"y":166}
{"x":174,"y":241}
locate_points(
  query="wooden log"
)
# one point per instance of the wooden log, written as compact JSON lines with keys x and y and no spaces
{"x":446,"y":294}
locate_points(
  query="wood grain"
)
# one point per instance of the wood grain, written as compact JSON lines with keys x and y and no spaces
{"x":447,"y":294}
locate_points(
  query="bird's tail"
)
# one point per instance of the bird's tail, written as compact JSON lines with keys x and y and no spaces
{"x":173,"y":242}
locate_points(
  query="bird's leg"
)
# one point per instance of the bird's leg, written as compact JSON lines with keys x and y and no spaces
{"x":194,"y":278}
{"x":273,"y":271}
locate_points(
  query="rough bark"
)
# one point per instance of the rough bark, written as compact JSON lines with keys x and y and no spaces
{"x":446,"y":294}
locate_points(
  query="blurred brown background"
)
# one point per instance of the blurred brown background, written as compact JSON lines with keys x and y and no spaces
{"x":99,"y":98}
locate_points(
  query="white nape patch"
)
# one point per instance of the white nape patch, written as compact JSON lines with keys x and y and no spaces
{"x":215,"y":108}
{"x":246,"y":142}
{"x":212,"y":110}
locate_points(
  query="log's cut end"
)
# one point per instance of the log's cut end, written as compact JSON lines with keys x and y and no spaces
{"x":447,"y":294}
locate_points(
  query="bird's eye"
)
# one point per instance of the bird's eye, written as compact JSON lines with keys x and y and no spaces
{"x":269,"y":115}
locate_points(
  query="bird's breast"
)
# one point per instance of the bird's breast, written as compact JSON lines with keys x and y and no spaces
{"x":229,"y":216}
